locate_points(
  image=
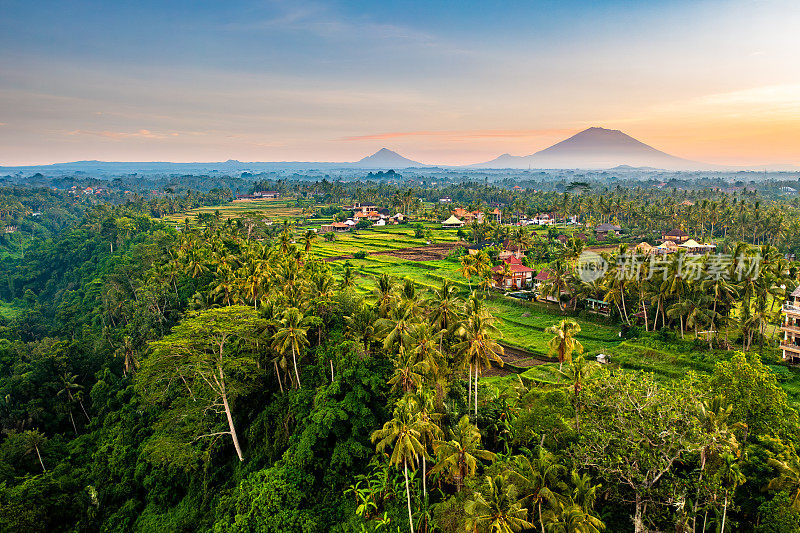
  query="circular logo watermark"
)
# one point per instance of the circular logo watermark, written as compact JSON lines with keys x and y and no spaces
{"x":591,"y":266}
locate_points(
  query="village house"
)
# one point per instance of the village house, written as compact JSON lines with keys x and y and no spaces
{"x":512,"y":274}
{"x":666,"y":247}
{"x":445,"y":200}
{"x":336,"y":226}
{"x":452,"y":223}
{"x":362,"y":207}
{"x":678,"y":236}
{"x":602,"y":231}
{"x":543,"y":219}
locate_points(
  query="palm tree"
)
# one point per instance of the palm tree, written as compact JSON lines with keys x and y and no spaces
{"x":34,"y":440}
{"x":564,"y":341}
{"x":396,"y":328}
{"x":428,"y":426}
{"x":401,"y":433}
{"x":468,"y":268}
{"x":408,"y":371}
{"x":571,"y":518}
{"x":578,"y":373}
{"x":788,"y":477}
{"x":499,"y":511}
{"x":292,"y":335}
{"x":537,"y":478}
{"x":478,"y":349}
{"x":723,"y":292}
{"x":584,"y":492}
{"x":70,"y":391}
{"x":348,"y":276}
{"x":308,"y":239}
{"x":385,"y":295}
{"x":443,"y":308}
{"x":712,"y":416}
{"x":361,"y":325}
{"x":423,"y":341}
{"x":731,"y":477}
{"x":459,"y":455}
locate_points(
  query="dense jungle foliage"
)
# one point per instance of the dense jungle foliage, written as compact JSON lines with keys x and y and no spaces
{"x":210,"y":379}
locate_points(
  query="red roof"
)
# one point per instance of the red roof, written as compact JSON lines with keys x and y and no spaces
{"x":543,"y":275}
{"x":513,"y":268}
{"x":340,"y":225}
{"x":513,"y":260}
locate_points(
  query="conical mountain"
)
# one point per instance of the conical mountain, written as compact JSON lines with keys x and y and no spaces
{"x":596,"y":148}
{"x":385,"y":158}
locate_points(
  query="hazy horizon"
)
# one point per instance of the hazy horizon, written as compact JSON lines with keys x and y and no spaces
{"x":333,"y":82}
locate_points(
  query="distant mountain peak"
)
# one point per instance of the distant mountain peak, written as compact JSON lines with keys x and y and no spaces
{"x":596,"y":147}
{"x":385,"y":158}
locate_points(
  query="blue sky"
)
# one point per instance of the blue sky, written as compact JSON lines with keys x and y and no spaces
{"x":451,"y":82}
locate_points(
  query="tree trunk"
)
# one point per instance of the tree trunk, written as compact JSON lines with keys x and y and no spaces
{"x":476,"y":395}
{"x":277,"y":373}
{"x":424,"y":484}
{"x":469,"y":386}
{"x":296,"y":373}
{"x":541,"y":522}
{"x":230,"y":418}
{"x":84,"y":411}
{"x":72,"y":419}
{"x":408,"y":496}
{"x":331,"y":370}
{"x":39,"y":455}
{"x":638,"y":520}
{"x":724,"y":513}
{"x":644,"y":308}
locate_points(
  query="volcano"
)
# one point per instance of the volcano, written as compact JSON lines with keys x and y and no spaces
{"x":595,"y":148}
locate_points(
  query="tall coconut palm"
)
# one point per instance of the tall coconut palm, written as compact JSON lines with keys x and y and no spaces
{"x":459,"y":456}
{"x":731,"y":477}
{"x":34,"y":441}
{"x":478,"y":348}
{"x":423,"y":342}
{"x":291,"y":336}
{"x":564,"y":342}
{"x":385,"y":292}
{"x":577,"y":374}
{"x":571,"y":518}
{"x":498,"y":511}
{"x":468,"y":268}
{"x":788,"y":477}
{"x":537,"y":478}
{"x":409,"y":371}
{"x":428,"y":419}
{"x":308,"y":240}
{"x":443,"y":308}
{"x":361,"y":325}
{"x":401,"y":435}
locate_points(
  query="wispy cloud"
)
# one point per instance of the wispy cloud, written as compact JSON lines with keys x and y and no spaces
{"x":121,"y":135}
{"x":769,"y":100}
{"x":321,"y":21}
{"x":456,"y":135}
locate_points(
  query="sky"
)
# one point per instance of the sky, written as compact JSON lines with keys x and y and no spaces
{"x":447,"y":82}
